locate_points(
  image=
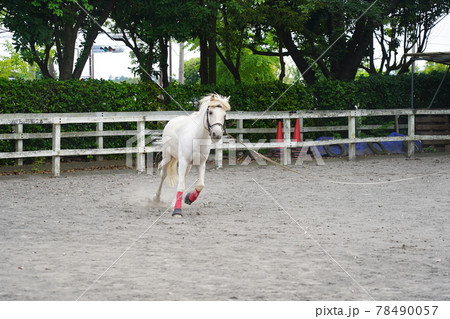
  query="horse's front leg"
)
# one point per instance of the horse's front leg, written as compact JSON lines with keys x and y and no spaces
{"x":192,"y":196}
{"x":183,"y":168}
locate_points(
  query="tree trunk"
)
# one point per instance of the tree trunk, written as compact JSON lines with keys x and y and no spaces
{"x":207,"y":37}
{"x":212,"y":61}
{"x":204,"y":79}
{"x":297,"y":57}
{"x":90,"y":39}
{"x":163,"y":45}
{"x":67,"y":54}
{"x":282,"y":64}
{"x":51,"y":67}
{"x":356,"y":50}
{"x":212,"y":45}
{"x":147,"y":65}
{"x":43,"y":63}
{"x":234,"y":69}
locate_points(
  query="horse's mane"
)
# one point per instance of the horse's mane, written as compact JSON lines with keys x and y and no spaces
{"x":214,"y":99}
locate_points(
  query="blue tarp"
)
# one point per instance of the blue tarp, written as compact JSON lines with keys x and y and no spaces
{"x":395,"y":147}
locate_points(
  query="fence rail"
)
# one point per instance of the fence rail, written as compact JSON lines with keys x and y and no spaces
{"x":141,"y":134}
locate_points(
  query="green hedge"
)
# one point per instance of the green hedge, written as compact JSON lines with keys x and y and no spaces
{"x":376,"y":92}
{"x":49,"y":96}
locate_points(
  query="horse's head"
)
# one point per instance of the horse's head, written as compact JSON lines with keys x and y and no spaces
{"x":216,"y":107}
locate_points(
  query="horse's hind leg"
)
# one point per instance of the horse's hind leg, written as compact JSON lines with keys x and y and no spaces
{"x":157,"y":197}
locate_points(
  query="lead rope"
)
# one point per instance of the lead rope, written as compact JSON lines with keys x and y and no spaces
{"x":331,"y":181}
{"x":265,"y":157}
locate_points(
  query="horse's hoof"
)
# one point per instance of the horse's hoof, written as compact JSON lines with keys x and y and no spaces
{"x":187,"y":200}
{"x":156,"y":199}
{"x":177,"y":213}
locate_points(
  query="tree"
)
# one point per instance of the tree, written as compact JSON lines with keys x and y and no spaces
{"x":57,"y":23}
{"x":146,"y":27}
{"x":333,"y":39}
{"x":254,"y":68}
{"x":435,"y":67}
{"x":232,"y":32}
{"x":191,"y":71}
{"x":13,"y":66}
{"x":308,"y":29}
{"x":232,"y":24}
{"x":207,"y":33}
{"x":408,"y":27}
{"x":28,"y":37}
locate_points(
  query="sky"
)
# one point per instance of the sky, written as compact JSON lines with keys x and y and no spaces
{"x":440,"y":37}
{"x":108,"y":65}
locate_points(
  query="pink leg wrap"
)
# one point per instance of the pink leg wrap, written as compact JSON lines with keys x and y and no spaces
{"x":179,"y":199}
{"x":193,"y":196}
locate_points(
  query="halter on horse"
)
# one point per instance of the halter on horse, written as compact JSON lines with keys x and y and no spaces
{"x":187,"y":141}
{"x":210,"y":126}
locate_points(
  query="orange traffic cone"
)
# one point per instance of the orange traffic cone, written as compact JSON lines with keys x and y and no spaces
{"x":296,"y":138}
{"x":279,"y":133}
{"x":279,"y":138}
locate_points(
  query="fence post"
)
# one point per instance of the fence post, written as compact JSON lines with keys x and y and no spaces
{"x":140,"y":155}
{"x":352,"y":135}
{"x":301,"y":128}
{"x":287,"y":141}
{"x":411,"y":134}
{"x":99,"y":128}
{"x":240,"y":125}
{"x":56,"y":147}
{"x":19,"y":143}
{"x":218,"y":152}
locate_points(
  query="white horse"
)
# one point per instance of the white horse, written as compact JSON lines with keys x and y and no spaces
{"x":187,"y":141}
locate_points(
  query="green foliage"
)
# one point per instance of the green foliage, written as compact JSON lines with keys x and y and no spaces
{"x":40,"y":25}
{"x":430,"y":149}
{"x":191,"y":68}
{"x":12,"y":66}
{"x":435,"y":67}
{"x":374,"y":92}
{"x":384,"y":92}
{"x":303,"y":29}
{"x":425,"y":87}
{"x":335,"y":95}
{"x":253,"y":69}
{"x":50,"y":96}
{"x":74,"y":96}
{"x":246,"y":97}
{"x":343,"y":30}
{"x":147,"y":27}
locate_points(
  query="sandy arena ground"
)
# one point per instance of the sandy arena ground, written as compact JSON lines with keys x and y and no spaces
{"x":255,"y":233}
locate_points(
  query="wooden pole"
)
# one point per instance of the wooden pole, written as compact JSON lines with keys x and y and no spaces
{"x":56,"y":148}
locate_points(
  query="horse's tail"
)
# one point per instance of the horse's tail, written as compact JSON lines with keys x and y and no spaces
{"x":172,"y":175}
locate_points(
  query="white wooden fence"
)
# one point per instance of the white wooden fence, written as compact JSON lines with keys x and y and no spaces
{"x":141,"y":136}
